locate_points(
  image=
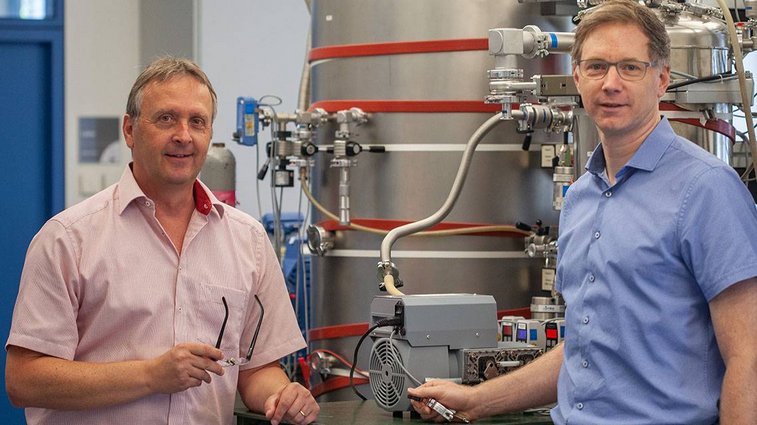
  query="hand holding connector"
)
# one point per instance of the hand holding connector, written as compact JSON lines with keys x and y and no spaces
{"x":448,"y":414}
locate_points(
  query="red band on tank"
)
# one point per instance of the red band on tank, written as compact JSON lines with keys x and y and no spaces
{"x":398,"y":48}
{"x":337,"y":331}
{"x":713,"y":124}
{"x":430,"y":106}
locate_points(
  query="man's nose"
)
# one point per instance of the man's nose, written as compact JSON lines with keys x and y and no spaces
{"x":612,"y":80}
{"x":181,"y":132}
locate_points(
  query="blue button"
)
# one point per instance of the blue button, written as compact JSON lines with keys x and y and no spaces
{"x":585,"y":363}
{"x":586,"y":320}
{"x":608,"y":194}
{"x":596,"y":234}
{"x":591,"y":278}
{"x":579,"y":406}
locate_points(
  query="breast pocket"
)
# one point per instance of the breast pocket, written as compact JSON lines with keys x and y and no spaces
{"x":207,"y":316}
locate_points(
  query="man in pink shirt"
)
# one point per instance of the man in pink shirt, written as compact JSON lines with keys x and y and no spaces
{"x":123,"y":296}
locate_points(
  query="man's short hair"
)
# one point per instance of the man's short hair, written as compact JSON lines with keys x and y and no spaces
{"x":625,"y":12}
{"x":161,"y":70}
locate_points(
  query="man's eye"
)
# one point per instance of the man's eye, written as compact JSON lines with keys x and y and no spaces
{"x":165,"y":118}
{"x":596,"y":66}
{"x":631,"y":67}
{"x":198,"y":122}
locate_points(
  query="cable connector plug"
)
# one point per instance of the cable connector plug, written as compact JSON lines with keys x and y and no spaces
{"x":392,"y":321}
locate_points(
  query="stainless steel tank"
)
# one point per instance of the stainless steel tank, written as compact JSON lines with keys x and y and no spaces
{"x":505,"y":183}
{"x":699,"y":47}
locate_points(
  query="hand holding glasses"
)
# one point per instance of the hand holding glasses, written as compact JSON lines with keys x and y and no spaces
{"x":239,"y":361}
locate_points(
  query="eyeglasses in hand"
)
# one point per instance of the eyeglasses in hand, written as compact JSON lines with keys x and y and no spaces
{"x":239,"y":361}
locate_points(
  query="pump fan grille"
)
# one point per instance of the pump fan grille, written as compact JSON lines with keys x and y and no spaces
{"x":387,"y":379}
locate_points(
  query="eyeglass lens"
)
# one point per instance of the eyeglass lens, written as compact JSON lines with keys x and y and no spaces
{"x":595,"y":69}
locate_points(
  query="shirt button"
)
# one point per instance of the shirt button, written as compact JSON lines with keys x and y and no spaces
{"x":147,"y":203}
{"x":585,"y":320}
{"x":579,"y":406}
{"x":585,"y":363}
{"x":596,"y":234}
{"x":591,"y":278}
{"x":180,"y":310}
{"x":608,"y":194}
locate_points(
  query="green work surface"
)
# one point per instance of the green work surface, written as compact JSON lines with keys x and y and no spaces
{"x":368,"y":413}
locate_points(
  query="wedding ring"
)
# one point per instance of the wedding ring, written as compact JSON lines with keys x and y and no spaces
{"x":303,"y":413}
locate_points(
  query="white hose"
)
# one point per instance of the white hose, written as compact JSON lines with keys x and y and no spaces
{"x":438,"y":216}
{"x":745,"y":98}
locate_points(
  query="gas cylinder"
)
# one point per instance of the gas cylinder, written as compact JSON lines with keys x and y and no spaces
{"x":219,"y":173}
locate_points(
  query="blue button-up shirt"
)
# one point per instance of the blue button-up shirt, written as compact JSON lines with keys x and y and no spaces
{"x":638,"y":263}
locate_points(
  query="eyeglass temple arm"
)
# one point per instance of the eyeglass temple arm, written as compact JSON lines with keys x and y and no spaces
{"x":223,"y":326}
{"x":257,"y":329}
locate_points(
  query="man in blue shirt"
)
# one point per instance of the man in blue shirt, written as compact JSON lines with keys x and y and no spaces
{"x":657,"y":260}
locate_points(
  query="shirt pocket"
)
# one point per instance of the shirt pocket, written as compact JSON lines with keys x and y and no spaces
{"x":207,"y":316}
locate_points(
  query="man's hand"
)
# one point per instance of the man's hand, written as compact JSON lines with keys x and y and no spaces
{"x":461,"y":398}
{"x":292,"y":402}
{"x":184,"y":366}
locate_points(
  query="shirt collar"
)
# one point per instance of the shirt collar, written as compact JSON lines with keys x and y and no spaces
{"x":129,"y":190}
{"x":646,"y":157}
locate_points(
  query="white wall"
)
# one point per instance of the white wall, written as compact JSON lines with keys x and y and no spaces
{"x":101,"y":63}
{"x":252,"y":48}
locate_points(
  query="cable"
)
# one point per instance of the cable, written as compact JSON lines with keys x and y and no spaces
{"x":394,"y":321}
{"x":399,"y":361}
{"x":722,"y":76}
{"x":257,"y":182}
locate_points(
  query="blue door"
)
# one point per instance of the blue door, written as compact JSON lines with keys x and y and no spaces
{"x":31,"y":149}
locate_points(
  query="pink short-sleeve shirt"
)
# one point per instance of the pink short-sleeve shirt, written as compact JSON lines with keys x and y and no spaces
{"x":102,"y":282}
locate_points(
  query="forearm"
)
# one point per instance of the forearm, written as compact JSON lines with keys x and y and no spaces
{"x":255,"y":386}
{"x":733,"y":311}
{"x":739,"y":393}
{"x":55,"y":383}
{"x":530,"y":386}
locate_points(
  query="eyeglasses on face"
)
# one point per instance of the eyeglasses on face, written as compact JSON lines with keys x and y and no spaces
{"x":238,"y":361}
{"x":629,"y":70}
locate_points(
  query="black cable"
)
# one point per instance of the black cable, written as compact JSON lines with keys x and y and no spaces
{"x":394,"y":321}
{"x":701,"y":80}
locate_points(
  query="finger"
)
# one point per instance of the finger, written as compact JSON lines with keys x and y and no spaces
{"x":312,"y":412}
{"x":205,"y":350}
{"x":291,"y":401}
{"x":423,"y":410}
{"x":270,"y":405}
{"x":281,"y":410}
{"x":304,"y":417}
{"x":213,"y":366}
{"x":199,"y":373}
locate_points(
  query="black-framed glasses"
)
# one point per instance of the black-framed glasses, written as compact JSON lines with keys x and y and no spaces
{"x":239,"y":361}
{"x":629,"y":70}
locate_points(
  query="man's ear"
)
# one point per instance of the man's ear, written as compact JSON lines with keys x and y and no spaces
{"x":128,"y":129}
{"x":664,"y":81}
